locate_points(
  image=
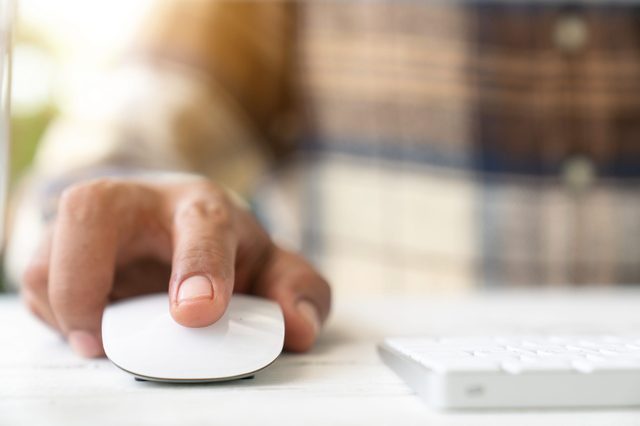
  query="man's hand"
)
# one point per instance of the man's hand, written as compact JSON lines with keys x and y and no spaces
{"x":114,"y":239}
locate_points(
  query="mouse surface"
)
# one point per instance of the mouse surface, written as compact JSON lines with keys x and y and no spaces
{"x":141,"y":337}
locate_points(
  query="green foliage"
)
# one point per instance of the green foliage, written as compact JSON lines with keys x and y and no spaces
{"x":26,"y":131}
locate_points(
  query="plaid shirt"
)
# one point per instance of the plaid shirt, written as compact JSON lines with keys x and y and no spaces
{"x":411,"y":145}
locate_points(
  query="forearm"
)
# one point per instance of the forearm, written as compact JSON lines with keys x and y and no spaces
{"x":155,"y":117}
{"x":144,"y":119}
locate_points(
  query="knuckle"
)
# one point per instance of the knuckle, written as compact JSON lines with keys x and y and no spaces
{"x":213,"y":210}
{"x":88,"y":200}
{"x":213,"y":191}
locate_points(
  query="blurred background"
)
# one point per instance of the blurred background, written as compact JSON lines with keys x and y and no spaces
{"x":59,"y":47}
{"x":434,"y":146}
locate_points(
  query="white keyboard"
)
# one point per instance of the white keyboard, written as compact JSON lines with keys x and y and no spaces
{"x":519,"y":371}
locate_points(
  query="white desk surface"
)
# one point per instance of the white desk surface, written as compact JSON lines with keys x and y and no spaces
{"x":341,"y":381}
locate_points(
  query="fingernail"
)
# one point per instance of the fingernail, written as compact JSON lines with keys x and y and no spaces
{"x":194,"y":288}
{"x":85,"y":344}
{"x":309,"y":311}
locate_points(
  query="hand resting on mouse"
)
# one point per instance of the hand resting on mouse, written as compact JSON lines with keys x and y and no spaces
{"x":117,"y":238}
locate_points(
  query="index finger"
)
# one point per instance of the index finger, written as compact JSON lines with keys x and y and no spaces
{"x":204,"y":257}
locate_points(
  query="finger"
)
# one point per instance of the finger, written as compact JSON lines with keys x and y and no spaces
{"x":142,"y":276}
{"x":204,"y":259}
{"x":35,"y":282}
{"x":304,"y":296}
{"x":254,"y":250}
{"x":82,"y":263}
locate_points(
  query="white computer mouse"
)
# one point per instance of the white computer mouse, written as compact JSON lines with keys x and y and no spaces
{"x":141,"y":338}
